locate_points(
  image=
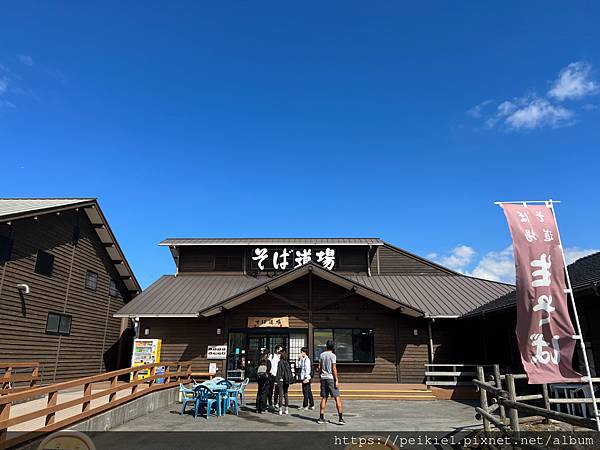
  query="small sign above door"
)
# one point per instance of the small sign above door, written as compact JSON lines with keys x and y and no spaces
{"x":269,"y":322}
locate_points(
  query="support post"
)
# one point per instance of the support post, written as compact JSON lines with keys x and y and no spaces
{"x":512,"y":396}
{"x":546,"y":398}
{"x":498,"y":380}
{"x":483,"y":400}
{"x":113,"y":384}
{"x":4,"y":415}
{"x":52,"y":399}
{"x":87,"y":393}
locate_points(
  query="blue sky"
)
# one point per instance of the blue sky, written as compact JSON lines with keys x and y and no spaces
{"x":255,"y":119}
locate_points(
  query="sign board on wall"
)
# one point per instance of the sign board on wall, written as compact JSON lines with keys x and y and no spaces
{"x":269,"y":322}
{"x":216,"y":352}
{"x":212,"y":368}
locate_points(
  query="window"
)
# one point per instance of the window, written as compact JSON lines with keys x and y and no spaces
{"x":6,"y":245}
{"x":91,"y":280}
{"x":351,"y":344}
{"x":44,"y":263}
{"x":58,"y":324}
{"x":113,"y":291}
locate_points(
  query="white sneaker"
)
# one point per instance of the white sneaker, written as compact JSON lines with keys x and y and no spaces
{"x":287,"y":411}
{"x":311,"y":408}
{"x":281,"y":412}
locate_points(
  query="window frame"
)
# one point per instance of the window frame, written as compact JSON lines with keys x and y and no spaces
{"x":352,"y":330}
{"x":88,"y":287}
{"x":61,"y":317}
{"x":113,"y":288}
{"x":50,"y":261}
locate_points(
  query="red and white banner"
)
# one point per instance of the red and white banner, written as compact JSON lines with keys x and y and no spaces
{"x":544,"y":328}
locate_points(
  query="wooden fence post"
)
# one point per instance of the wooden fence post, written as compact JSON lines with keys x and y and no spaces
{"x":512,"y":396}
{"x":87,"y":393}
{"x":4,"y":415}
{"x":483,"y":399}
{"x":113,"y":384}
{"x":135,"y":378}
{"x":6,"y":378}
{"x":498,"y":380}
{"x":546,"y":400}
{"x":152,"y":373}
{"x":52,"y":399}
{"x":35,"y":373}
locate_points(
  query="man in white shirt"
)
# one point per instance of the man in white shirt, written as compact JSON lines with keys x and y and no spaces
{"x":273,"y":391}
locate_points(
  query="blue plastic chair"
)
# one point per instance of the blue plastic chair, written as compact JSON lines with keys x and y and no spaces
{"x":231,"y":398}
{"x":206,"y":398}
{"x":189,"y":396}
{"x":242,"y":389}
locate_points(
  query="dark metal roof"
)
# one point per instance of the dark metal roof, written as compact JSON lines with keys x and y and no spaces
{"x":271,"y":241}
{"x":451,"y":295}
{"x":583,"y":273}
{"x":12,"y":208}
{"x":188,"y":295}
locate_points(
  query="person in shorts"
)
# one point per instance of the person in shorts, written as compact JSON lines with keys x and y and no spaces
{"x":329,"y":382}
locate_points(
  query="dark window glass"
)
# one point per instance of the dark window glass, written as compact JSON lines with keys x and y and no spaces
{"x":113,"y":291}
{"x":320,"y":338}
{"x":44,"y":263}
{"x":91,"y":280}
{"x":6,"y":245}
{"x":58,"y":324}
{"x":362,"y":344}
{"x":343,"y":345}
{"x":351,"y":345}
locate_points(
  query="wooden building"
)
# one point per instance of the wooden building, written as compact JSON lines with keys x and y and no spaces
{"x":62,"y":278}
{"x":388,"y":311}
{"x":495,"y":322}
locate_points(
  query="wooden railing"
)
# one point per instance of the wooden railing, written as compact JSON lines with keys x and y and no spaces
{"x":173,"y":374}
{"x":450,"y":374}
{"x":18,"y":376}
{"x":494,"y":398}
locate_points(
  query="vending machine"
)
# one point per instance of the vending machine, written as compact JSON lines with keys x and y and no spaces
{"x":145,"y":351}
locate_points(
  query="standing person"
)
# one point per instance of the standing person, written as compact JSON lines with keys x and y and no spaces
{"x":273,"y":392}
{"x":329,"y":382}
{"x":305,"y":366}
{"x":284,"y":379}
{"x":263,"y":373}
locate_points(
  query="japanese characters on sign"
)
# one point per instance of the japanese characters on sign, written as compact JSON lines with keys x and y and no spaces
{"x":283,"y":259}
{"x":544,"y":328}
{"x":268,"y":322}
{"x":216,"y":352}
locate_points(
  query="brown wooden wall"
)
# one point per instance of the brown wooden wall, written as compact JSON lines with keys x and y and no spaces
{"x":400,"y":356}
{"x":92,"y":345}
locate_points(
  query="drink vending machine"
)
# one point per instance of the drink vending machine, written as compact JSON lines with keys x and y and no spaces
{"x":145,"y":351}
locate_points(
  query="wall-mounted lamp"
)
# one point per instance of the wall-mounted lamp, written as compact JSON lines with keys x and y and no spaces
{"x":24,"y":288}
{"x":415,"y":332}
{"x":218,"y":331}
{"x":146,"y":331}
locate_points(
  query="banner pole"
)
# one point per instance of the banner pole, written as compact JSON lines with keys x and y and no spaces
{"x":579,"y":333}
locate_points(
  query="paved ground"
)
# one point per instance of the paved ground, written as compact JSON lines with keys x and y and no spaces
{"x":360,"y":415}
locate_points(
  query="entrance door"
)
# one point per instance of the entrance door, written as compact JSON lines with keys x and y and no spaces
{"x":256,"y":345}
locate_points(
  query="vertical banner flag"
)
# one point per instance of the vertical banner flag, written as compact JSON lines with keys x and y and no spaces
{"x":544,"y":328}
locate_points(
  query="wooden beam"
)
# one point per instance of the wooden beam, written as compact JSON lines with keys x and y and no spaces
{"x":337,"y":299}
{"x":285,"y":299}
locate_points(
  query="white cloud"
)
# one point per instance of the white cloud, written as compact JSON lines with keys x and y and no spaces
{"x":458,"y":259}
{"x":477,"y":110}
{"x":531,"y":111}
{"x":496,"y":266}
{"x":26,"y":59}
{"x":538,"y":113}
{"x":574,"y":82}
{"x":572,"y":254}
{"x":3,"y":85}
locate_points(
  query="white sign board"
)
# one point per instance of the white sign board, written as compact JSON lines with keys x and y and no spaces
{"x":216,"y":352}
{"x":212,"y":368}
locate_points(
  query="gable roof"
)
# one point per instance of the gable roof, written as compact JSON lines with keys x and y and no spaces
{"x":22,"y":208}
{"x":417,"y":295}
{"x":271,"y":241}
{"x":584,"y":273}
